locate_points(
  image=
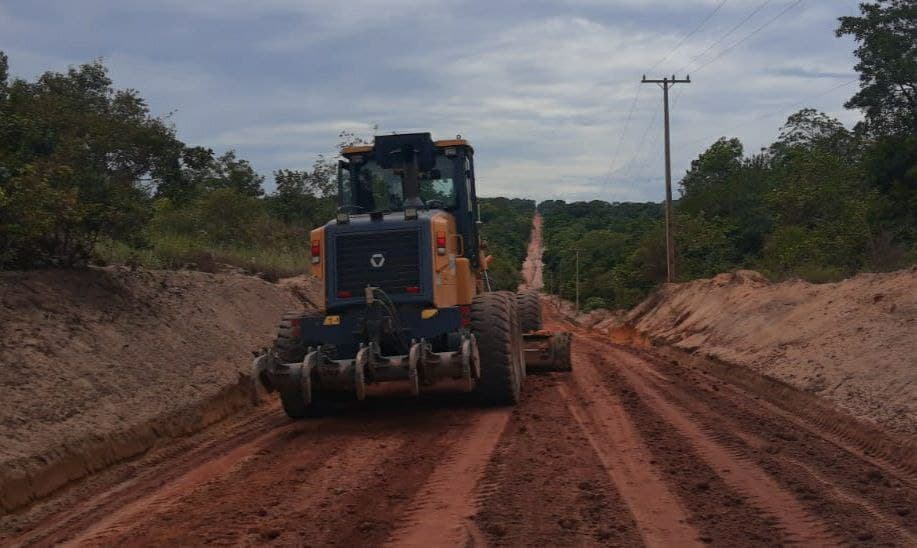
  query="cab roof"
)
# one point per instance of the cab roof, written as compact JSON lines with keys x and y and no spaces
{"x":362,"y":149}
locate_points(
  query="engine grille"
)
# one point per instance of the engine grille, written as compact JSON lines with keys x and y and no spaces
{"x":358,"y":254}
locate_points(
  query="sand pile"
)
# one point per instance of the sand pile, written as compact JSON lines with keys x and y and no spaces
{"x":853,"y":342}
{"x":96,"y":366}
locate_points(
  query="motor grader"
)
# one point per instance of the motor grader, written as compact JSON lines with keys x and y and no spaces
{"x":406,"y":293}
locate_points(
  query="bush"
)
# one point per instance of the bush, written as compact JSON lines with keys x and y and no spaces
{"x":594,"y":303}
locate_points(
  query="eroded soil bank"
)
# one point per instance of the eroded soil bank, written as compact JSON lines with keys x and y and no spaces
{"x":853,"y":342}
{"x":100,"y":365}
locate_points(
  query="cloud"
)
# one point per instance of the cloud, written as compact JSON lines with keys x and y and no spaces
{"x":542,"y":89}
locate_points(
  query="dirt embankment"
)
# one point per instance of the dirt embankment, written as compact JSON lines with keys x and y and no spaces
{"x":100,"y":365}
{"x":852,"y":342}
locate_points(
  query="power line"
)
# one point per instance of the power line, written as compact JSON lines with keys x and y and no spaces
{"x":700,"y":25}
{"x":614,"y":158}
{"x":639,"y":148}
{"x":767,"y":23}
{"x":782,"y":109}
{"x":728,"y":33}
{"x":689,"y":35}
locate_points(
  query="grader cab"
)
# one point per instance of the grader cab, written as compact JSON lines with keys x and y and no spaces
{"x":406,"y":295}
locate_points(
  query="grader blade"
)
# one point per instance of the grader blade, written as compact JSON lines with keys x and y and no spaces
{"x":547,"y":351}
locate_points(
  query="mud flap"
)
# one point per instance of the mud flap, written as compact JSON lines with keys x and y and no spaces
{"x":305,"y":376}
{"x":260,"y":385}
{"x":471,"y":363}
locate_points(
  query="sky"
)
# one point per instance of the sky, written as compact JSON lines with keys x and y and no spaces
{"x":548,"y":93}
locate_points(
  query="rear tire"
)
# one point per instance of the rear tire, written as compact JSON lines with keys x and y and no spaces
{"x":517,"y":333}
{"x":289,"y":344}
{"x":529,"y":305}
{"x":493,"y":327}
{"x":294,"y":405}
{"x":291,"y":348}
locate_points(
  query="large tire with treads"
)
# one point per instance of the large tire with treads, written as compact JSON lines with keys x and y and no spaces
{"x":529,"y":306}
{"x":517,"y":334}
{"x":289,"y":345}
{"x":293,"y":404}
{"x":493,"y":328}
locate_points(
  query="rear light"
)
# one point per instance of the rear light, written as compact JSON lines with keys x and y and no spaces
{"x":345,"y":294}
{"x":441,"y":243}
{"x":316,"y":251}
{"x":412,"y":289}
{"x":296,"y":327}
{"x":465,"y":313}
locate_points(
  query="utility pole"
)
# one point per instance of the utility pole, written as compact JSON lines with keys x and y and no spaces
{"x":577,"y":281}
{"x":665,"y":84}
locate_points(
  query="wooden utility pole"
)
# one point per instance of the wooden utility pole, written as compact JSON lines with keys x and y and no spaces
{"x":665,"y":84}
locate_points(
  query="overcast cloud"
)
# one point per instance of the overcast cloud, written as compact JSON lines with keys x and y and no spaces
{"x":542,"y":89}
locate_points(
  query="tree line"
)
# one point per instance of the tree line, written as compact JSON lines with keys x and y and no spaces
{"x":822,"y":202}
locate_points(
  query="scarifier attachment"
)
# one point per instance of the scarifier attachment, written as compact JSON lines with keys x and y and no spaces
{"x":421,"y":366}
{"x":547,"y":351}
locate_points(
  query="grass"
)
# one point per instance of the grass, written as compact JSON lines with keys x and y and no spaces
{"x":173,"y":252}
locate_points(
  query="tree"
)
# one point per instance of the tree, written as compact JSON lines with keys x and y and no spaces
{"x":79,"y":160}
{"x":237,"y":174}
{"x":809,"y":130}
{"x":886,"y":33}
{"x":702,"y":185}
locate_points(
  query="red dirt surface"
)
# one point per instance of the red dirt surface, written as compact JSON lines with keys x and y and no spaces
{"x":532,"y":277}
{"x":634,"y":447}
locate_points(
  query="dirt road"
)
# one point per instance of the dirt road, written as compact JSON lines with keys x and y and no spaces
{"x":532,"y":267}
{"x":635,"y":446}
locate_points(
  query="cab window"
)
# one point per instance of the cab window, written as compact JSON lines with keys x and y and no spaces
{"x":441,"y":190}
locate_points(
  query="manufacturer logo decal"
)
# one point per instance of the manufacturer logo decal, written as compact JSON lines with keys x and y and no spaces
{"x":377,"y":260}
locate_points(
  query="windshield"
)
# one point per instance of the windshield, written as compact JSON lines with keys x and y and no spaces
{"x":369,"y":187}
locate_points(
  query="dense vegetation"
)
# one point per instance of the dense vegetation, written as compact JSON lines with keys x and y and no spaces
{"x":822,"y":202}
{"x":87,"y":174}
{"x":506,"y":229}
{"x":617,"y":245}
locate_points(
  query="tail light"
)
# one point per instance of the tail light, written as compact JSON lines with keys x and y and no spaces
{"x":412,"y":289}
{"x":316,"y":251}
{"x":345,"y":294}
{"x":441,"y":243}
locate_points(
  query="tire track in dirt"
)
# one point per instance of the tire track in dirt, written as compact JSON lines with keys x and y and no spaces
{"x":864,"y":501}
{"x":349,"y":482}
{"x":440,"y":514}
{"x":737,"y":471}
{"x":850,"y":496}
{"x":661,"y":518}
{"x":545,"y":485}
{"x":352,"y":479}
{"x":120,"y":488}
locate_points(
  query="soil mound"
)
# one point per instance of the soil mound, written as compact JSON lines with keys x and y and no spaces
{"x":853,"y":342}
{"x":97,"y":366}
